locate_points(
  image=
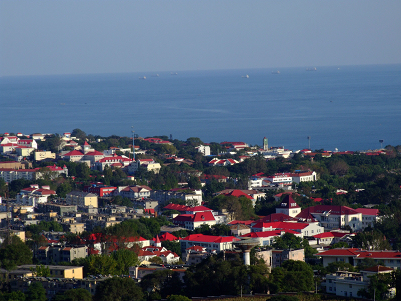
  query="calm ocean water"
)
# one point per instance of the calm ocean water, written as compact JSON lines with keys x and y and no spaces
{"x":349,"y":108}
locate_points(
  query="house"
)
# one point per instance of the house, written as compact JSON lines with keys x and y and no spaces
{"x":82,"y":199}
{"x":30,"y":143}
{"x":43,"y":155}
{"x":333,"y":217}
{"x":369,"y":216}
{"x":299,"y":176}
{"x":239,"y":229}
{"x":165,"y":255}
{"x":279,"y":256}
{"x":73,"y":156}
{"x":11,"y":174}
{"x":209,"y":242}
{"x":354,"y":256}
{"x":100,"y":190}
{"x":251,"y":195}
{"x":193,"y":221}
{"x":34,"y":195}
{"x":195,"y":254}
{"x":110,"y":161}
{"x":288,"y":207}
{"x":135,"y":192}
{"x":55,"y":254}
{"x":278,"y":217}
{"x":190,"y":196}
{"x":52,"y":171}
{"x":149,"y":164}
{"x":222,"y":162}
{"x":204,"y":149}
{"x":267,"y":238}
{"x":347,"y":284}
{"x":305,"y":229}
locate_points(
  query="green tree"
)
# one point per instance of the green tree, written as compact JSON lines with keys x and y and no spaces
{"x":14,"y":253}
{"x":178,"y":298}
{"x":76,"y":294}
{"x":41,"y":271}
{"x":36,"y":292}
{"x":79,"y":134}
{"x":124,"y":259}
{"x":287,"y":241}
{"x":173,"y":246}
{"x":118,"y":289}
{"x":292,"y":276}
{"x":13,"y":296}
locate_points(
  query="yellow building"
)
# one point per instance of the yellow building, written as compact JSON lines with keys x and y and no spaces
{"x":58,"y":271}
{"x":41,"y":155}
{"x":83,"y":199}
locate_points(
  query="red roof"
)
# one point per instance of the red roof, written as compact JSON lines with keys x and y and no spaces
{"x":324,"y":235}
{"x":210,"y":238}
{"x":94,"y":153}
{"x":281,"y":225}
{"x":203,"y":216}
{"x":176,"y":207}
{"x":367,"y":211}
{"x":74,"y":153}
{"x":288,"y":202}
{"x":235,"y":222}
{"x":269,"y":233}
{"x":168,"y":237}
{"x":340,"y":252}
{"x":238,"y":193}
{"x":198,"y":209}
{"x":332,"y":209}
{"x":277,"y":217}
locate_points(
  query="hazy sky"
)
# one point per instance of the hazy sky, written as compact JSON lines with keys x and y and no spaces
{"x":61,"y":37}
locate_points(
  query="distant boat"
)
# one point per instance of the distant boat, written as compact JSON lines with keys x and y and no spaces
{"x":311,"y":69}
{"x":143,"y":77}
{"x":276,"y":72}
{"x":245,"y":76}
{"x":172,"y":73}
{"x":155,"y":75}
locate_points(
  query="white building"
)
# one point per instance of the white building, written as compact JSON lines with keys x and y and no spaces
{"x":209,"y":242}
{"x":288,"y":207}
{"x":204,"y":149}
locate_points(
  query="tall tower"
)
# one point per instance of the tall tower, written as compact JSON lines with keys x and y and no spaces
{"x":246,"y":244}
{"x":265,"y":144}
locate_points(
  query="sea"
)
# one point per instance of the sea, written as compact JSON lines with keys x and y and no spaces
{"x":338,"y":107}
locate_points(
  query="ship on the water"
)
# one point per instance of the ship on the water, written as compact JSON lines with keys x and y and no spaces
{"x":276,"y":72}
{"x":311,"y":69}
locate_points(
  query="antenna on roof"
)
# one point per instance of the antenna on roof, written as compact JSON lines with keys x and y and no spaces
{"x":308,"y":141}
{"x":381,"y":143}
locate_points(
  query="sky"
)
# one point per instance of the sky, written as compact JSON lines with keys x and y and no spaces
{"x":104,"y":36}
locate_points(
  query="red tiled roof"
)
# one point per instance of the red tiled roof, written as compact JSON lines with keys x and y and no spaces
{"x":269,"y":233}
{"x":340,"y":252}
{"x":277,"y":217}
{"x":324,"y":235}
{"x":367,"y":211}
{"x":235,"y":222}
{"x":74,"y":153}
{"x":176,"y":207}
{"x":288,"y":202}
{"x":210,"y":238}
